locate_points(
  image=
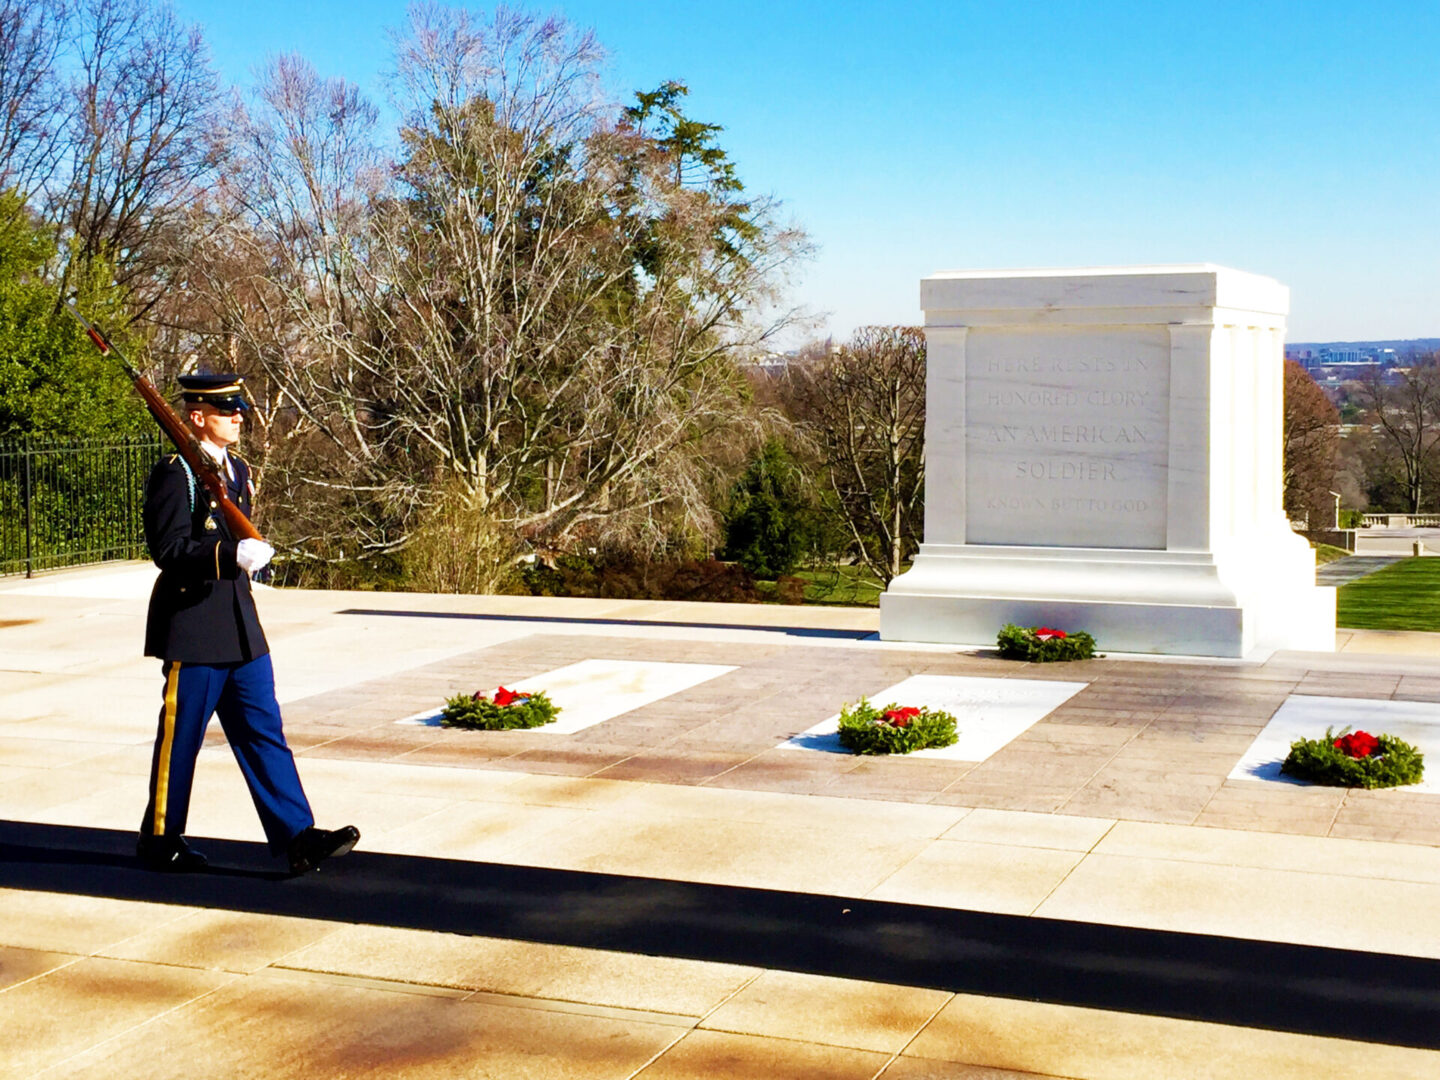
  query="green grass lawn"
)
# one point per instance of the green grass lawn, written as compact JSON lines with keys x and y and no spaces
{"x":853,"y":585}
{"x":850,"y":586}
{"x":1328,"y":553}
{"x":1404,"y":596}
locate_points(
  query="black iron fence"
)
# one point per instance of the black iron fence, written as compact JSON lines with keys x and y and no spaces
{"x":70,"y":503}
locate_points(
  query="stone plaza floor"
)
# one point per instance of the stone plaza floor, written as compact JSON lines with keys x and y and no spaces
{"x":678,"y":881}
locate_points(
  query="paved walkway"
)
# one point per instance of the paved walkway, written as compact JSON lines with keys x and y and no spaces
{"x":543,"y":905}
{"x":1352,"y":568}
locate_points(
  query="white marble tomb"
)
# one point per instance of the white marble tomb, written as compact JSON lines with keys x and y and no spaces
{"x":1103,"y":453}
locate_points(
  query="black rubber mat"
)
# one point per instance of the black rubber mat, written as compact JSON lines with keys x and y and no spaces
{"x":791,"y":631}
{"x":1317,"y":991}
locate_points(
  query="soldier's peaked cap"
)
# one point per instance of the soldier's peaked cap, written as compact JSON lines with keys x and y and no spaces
{"x":224,"y":392}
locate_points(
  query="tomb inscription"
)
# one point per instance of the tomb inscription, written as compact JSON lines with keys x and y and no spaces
{"x":1067,"y":437}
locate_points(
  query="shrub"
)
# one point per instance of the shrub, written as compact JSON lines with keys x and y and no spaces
{"x":459,"y":548}
{"x":1359,"y":760}
{"x":504,"y":711}
{"x":894,"y":729}
{"x":768,"y":524}
{"x":567,"y":575}
{"x":790,"y":589}
{"x":708,"y":580}
{"x":702,"y":580}
{"x":1042,"y":644}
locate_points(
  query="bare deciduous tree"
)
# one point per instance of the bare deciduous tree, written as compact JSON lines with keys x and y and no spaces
{"x":141,"y":145}
{"x":533,"y":312}
{"x":1311,"y":448}
{"x":32,"y":116}
{"x":275,"y":259}
{"x":870,"y":418}
{"x":1403,"y":405}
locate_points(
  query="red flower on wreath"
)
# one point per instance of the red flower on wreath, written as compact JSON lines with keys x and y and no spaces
{"x":505,"y":697}
{"x":1045,"y":633}
{"x":1358,"y":744}
{"x":900,"y":717}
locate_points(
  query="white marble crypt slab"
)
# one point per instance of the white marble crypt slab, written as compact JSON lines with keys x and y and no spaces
{"x":1307,"y":717}
{"x":988,"y":712}
{"x":592,"y":691}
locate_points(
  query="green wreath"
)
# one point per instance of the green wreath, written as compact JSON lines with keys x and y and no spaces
{"x":1385,"y":762}
{"x":1041,"y":644}
{"x":894,"y":729}
{"x":506,"y":710}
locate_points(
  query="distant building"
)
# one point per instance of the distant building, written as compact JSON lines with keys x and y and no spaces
{"x":771,"y":363}
{"x":1332,"y":375}
{"x":1387,"y":354}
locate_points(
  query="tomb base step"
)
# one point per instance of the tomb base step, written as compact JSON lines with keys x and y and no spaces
{"x":1304,"y":620}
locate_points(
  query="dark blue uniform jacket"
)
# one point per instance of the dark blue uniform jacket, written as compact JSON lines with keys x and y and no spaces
{"x":201,"y":610}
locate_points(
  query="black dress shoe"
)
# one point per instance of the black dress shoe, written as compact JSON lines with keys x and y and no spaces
{"x":168,"y":854}
{"x":313,"y":846}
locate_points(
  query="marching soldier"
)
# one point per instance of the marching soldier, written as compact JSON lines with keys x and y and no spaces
{"x":203,"y":625}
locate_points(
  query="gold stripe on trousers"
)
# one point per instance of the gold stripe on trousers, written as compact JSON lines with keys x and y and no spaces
{"x":167,"y":742}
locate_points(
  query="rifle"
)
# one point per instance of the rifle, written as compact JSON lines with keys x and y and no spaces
{"x":201,"y":463}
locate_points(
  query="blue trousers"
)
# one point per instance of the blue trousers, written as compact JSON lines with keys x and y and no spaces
{"x":243,"y":697}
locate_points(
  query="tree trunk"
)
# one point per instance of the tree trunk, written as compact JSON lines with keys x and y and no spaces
{"x":896,"y":547}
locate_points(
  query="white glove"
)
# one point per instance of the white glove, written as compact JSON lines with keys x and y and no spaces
{"x":252,"y":555}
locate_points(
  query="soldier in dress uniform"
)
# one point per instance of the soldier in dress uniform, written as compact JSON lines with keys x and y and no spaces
{"x":202,"y":624}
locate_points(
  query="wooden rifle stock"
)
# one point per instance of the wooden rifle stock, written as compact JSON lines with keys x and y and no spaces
{"x":179,"y":433}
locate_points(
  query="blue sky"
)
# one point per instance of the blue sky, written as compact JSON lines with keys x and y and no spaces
{"x":1295,"y":139}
